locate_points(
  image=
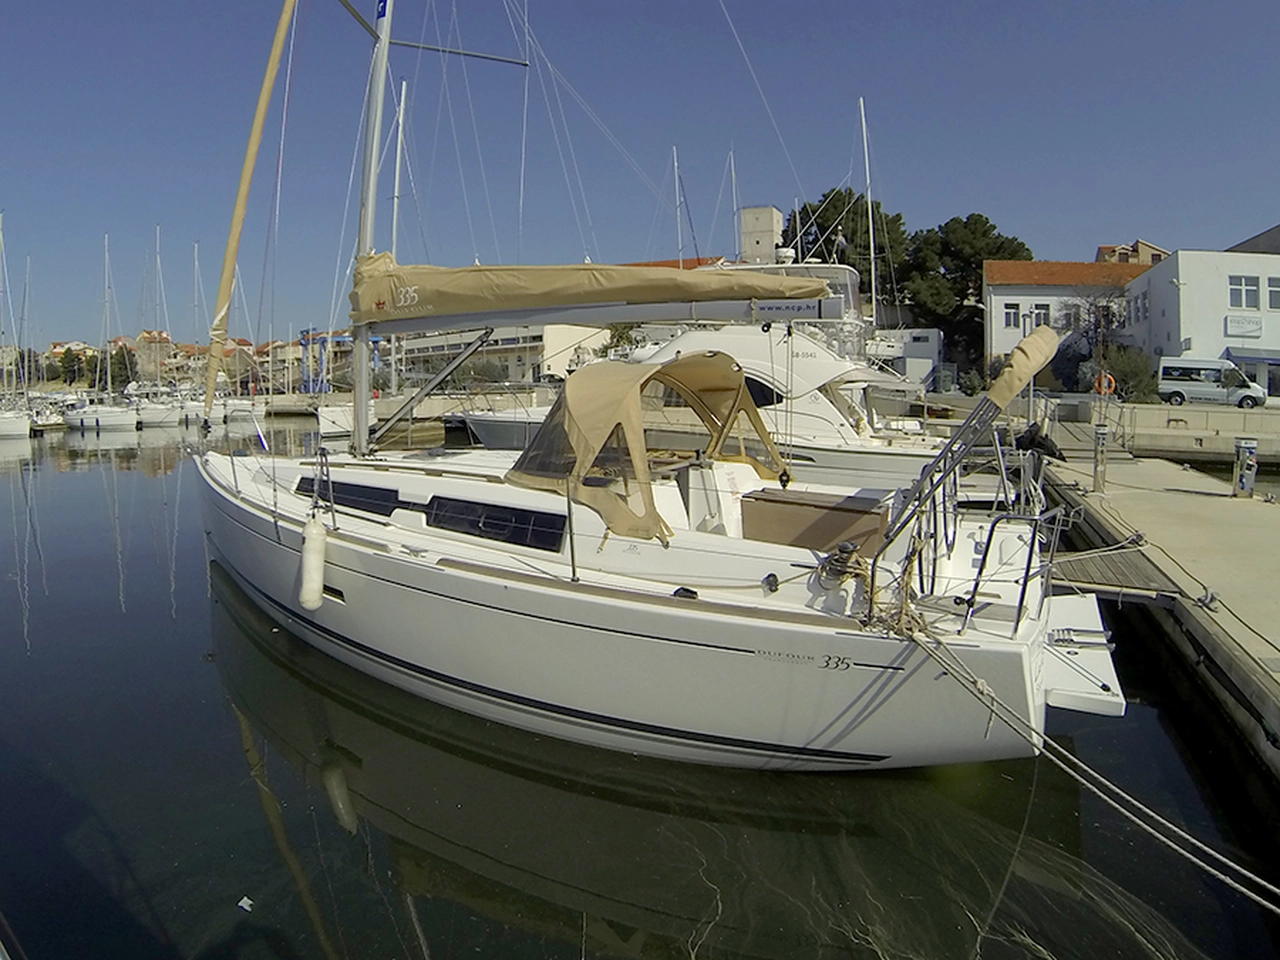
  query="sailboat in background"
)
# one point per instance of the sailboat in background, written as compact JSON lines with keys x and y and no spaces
{"x":158,"y":406}
{"x":102,"y":410}
{"x":15,"y":415}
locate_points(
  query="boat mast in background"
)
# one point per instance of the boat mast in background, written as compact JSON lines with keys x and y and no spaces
{"x":106,"y":312}
{"x":871,"y":218}
{"x":675,"y":167}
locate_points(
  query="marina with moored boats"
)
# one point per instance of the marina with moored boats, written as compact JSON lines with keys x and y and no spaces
{"x":731,"y":641}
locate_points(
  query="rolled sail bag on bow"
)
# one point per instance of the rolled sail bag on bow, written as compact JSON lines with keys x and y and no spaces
{"x":1029,"y":357}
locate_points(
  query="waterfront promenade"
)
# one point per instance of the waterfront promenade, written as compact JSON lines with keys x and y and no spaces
{"x":1217,"y":556}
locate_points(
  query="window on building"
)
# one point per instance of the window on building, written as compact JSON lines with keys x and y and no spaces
{"x":1071,"y":316}
{"x":1157,"y":257}
{"x":1146,"y":307}
{"x":1012,"y":315}
{"x":1041,"y":314}
{"x":1124,"y":256}
{"x":1243,"y":292}
{"x":1273,"y":293}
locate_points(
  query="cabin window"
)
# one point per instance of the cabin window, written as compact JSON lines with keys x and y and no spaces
{"x":358,"y":496}
{"x":514,"y":525}
{"x":762,"y":394}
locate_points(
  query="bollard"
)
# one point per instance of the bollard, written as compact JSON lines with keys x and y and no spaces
{"x":1246,"y":469}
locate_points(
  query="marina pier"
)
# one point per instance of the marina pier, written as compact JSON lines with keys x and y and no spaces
{"x":1174,"y":539}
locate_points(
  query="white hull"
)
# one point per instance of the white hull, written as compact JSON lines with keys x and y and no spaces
{"x":721,"y":680}
{"x":508,"y":430}
{"x":14,"y":424}
{"x":555,"y":830}
{"x":101,"y":417}
{"x":338,"y":419}
{"x":151,"y":414}
{"x":224,"y":410}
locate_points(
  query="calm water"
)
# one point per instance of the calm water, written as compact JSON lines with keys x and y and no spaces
{"x":167,"y":755}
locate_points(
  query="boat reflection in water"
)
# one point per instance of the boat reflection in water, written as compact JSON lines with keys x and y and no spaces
{"x":614,"y":855}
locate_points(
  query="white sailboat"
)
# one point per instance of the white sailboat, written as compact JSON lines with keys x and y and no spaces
{"x":102,"y":411}
{"x":159,"y":406}
{"x":680,"y":603}
{"x":15,"y":416}
{"x":812,"y":400}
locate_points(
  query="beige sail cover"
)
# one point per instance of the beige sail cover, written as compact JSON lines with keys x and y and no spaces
{"x":386,"y":290}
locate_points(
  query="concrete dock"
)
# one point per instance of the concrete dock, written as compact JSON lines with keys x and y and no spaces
{"x":1205,"y":562}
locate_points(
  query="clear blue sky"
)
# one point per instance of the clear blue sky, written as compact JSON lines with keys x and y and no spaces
{"x":1069,"y":125}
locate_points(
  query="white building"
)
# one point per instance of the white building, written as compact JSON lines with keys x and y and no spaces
{"x":1209,"y":303}
{"x":1020,"y":295}
{"x":524,"y":354}
{"x":914,"y":352}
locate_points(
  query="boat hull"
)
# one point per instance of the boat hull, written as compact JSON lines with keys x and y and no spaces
{"x":96,"y":418}
{"x":686,"y":680}
{"x":14,"y":424}
{"x":335,"y":420}
{"x":160,"y":414}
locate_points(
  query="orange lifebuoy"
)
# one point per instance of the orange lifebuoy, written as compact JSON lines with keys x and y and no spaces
{"x":1104,"y":384}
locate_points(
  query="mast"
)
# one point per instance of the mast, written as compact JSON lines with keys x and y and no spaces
{"x":395,"y":218}
{"x":106,"y":306}
{"x":20,"y":332}
{"x":675,"y":166}
{"x":737,"y":209}
{"x":155,"y":339}
{"x":364,"y":240}
{"x":871,"y":219}
{"x":195,"y":286}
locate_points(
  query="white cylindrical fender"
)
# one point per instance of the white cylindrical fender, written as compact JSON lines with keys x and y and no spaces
{"x":311,"y":594}
{"x":335,"y":785}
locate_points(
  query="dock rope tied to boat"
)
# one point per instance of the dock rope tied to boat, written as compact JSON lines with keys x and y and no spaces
{"x":1132,"y":809}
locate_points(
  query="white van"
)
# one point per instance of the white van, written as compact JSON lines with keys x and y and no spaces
{"x":1207,"y":381}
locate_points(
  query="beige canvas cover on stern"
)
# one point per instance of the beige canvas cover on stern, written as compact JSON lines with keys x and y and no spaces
{"x":591,"y":446}
{"x":385,"y":290}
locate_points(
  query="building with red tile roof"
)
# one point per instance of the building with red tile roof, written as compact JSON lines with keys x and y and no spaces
{"x":1019,"y":295}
